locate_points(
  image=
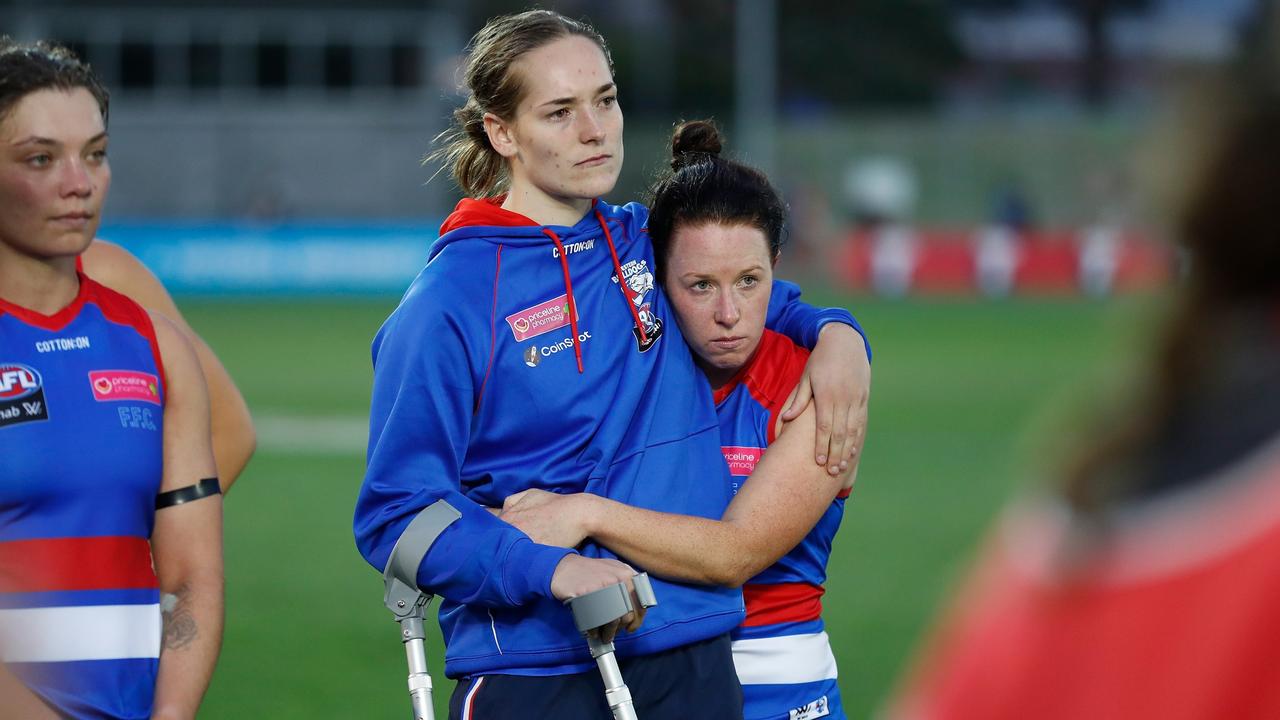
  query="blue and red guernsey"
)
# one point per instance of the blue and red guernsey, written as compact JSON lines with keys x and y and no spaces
{"x":781,"y":651}
{"x":525,"y":357}
{"x":81,"y":409}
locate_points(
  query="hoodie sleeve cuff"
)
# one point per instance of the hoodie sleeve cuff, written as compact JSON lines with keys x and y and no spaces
{"x":528,"y":569}
{"x":845,"y":318}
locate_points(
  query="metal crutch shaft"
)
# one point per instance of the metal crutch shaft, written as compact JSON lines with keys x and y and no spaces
{"x":599,"y":608}
{"x":616,"y":692}
{"x":409,"y":604}
{"x":410,"y":607}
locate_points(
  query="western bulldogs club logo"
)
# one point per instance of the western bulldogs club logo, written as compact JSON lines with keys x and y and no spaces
{"x":21,"y":395}
{"x":638,"y":282}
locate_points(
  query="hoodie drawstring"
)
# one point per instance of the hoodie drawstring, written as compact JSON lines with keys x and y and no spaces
{"x":568,"y":290}
{"x":568,"y":287}
{"x":622,"y":283}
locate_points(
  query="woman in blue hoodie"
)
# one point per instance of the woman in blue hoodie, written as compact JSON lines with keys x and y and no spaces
{"x":535,"y":351}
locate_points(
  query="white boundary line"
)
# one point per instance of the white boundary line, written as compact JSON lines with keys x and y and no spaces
{"x":312,"y":434}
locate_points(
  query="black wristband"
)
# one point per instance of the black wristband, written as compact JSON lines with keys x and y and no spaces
{"x":202,"y":489}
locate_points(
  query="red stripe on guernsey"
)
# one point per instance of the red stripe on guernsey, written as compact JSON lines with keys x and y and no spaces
{"x":120,"y":309}
{"x":770,"y":375}
{"x":115,"y":307}
{"x":493,"y":329}
{"x":91,"y":563}
{"x":781,"y":603}
{"x":58,"y":320}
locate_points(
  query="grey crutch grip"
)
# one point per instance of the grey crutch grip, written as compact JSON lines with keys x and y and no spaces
{"x":408,"y":603}
{"x":599,"y":608}
{"x":605,"y":605}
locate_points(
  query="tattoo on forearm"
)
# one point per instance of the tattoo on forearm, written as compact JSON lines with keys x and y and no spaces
{"x":179,"y":624}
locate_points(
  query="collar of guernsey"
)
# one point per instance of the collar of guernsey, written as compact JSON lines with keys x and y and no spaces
{"x":475,"y":219}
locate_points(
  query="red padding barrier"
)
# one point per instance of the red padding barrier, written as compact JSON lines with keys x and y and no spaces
{"x":901,"y":260}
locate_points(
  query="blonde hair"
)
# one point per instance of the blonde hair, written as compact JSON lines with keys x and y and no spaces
{"x":464,"y":148}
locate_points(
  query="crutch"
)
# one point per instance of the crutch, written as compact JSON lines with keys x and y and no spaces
{"x":409,"y":604}
{"x":599,"y":608}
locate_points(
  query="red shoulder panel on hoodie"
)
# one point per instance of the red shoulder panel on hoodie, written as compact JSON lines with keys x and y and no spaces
{"x":487,"y":211}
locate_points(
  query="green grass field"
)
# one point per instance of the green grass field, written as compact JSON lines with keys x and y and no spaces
{"x":963,"y":393}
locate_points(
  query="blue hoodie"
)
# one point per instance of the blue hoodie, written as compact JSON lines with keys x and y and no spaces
{"x":518,"y":360}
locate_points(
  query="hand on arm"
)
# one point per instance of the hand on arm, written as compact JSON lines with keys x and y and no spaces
{"x":773,"y":511}
{"x":552,"y":519}
{"x":186,"y":543}
{"x":234,"y":439}
{"x":548,"y":518}
{"x":838,"y":380}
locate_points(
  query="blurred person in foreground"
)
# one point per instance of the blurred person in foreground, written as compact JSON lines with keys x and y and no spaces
{"x":717,"y":228}
{"x":108,"y":494}
{"x":1145,"y":583}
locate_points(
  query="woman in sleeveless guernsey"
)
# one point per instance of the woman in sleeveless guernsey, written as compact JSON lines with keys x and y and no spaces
{"x":108,"y":494}
{"x":717,"y":228}
{"x":1144,"y":582}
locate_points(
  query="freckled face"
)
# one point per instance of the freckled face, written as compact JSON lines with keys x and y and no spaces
{"x":719,"y":278}
{"x":567,"y":132}
{"x":54,"y":174}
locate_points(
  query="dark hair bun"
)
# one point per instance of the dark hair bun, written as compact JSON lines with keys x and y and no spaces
{"x":694,"y":140}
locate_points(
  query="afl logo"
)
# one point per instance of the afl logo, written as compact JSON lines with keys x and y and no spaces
{"x":531,"y":356}
{"x":18,"y":381}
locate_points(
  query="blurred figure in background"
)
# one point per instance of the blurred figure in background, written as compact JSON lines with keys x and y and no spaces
{"x":1144,"y":584}
{"x":998,"y":244}
{"x":881,"y":193}
{"x":234,"y":439}
{"x":108,"y":494}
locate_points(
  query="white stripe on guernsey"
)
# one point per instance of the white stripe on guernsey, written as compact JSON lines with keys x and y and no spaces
{"x":784,"y":660}
{"x":93,"y":632}
{"x":467,"y":707}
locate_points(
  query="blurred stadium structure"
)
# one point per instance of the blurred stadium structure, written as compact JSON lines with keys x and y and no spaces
{"x":986,"y":113}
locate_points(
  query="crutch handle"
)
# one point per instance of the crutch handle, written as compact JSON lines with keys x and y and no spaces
{"x":599,"y":608}
{"x":607,"y":604}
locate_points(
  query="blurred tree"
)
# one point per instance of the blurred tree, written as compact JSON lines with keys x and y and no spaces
{"x":871,"y":52}
{"x":1093,"y":17}
{"x":832,"y":53}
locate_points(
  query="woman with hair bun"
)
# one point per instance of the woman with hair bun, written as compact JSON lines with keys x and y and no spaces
{"x":718,"y":227}
{"x":535,"y":350}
